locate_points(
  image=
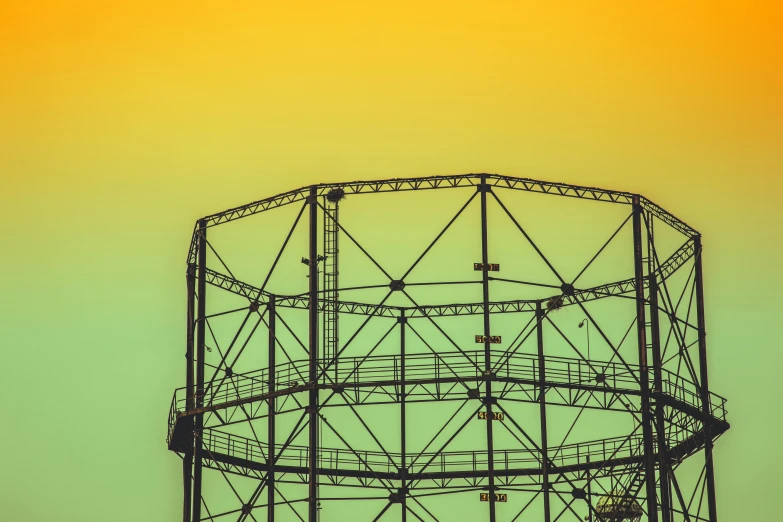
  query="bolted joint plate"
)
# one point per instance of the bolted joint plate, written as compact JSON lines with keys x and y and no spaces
{"x":398,"y":496}
{"x":397,"y":284}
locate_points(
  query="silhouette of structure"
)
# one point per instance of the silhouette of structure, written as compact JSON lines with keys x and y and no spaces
{"x":655,"y":376}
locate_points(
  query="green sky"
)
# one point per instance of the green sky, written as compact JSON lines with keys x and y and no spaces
{"x":120,"y":128}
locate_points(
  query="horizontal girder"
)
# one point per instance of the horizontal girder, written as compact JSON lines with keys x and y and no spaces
{"x":439,"y":182}
{"x":619,"y":288}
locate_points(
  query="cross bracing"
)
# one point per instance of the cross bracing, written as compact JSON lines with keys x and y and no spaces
{"x":284,"y":423}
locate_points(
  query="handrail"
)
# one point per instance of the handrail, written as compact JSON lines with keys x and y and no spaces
{"x":353,"y":371}
{"x":569,"y":455}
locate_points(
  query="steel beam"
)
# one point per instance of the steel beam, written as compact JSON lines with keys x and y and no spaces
{"x":589,"y":493}
{"x":618,"y":288}
{"x":705,"y":388}
{"x":270,"y":481}
{"x":187,"y":461}
{"x":403,"y":426}
{"x":542,"y":411}
{"x":200,"y":351}
{"x":483,"y":189}
{"x":313,"y":406}
{"x":442,"y":182}
{"x":189,"y":378}
{"x":644,"y":376}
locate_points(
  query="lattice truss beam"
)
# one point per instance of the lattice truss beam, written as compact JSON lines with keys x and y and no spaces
{"x":516,"y":434}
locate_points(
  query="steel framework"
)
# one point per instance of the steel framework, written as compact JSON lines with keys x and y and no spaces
{"x":658,"y":379}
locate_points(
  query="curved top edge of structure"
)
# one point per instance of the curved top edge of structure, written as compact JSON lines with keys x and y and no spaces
{"x":440,"y":182}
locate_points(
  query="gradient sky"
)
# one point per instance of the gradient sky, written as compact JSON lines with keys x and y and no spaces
{"x":121,"y":124}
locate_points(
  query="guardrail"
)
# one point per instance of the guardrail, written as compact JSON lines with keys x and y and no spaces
{"x":570,"y":455}
{"x":353,"y":371}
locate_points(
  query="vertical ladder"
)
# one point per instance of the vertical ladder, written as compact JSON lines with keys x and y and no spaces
{"x":329,"y":345}
{"x":648,"y":267}
{"x":330,"y":281}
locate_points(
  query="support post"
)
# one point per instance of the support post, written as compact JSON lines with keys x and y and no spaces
{"x":483,"y":189}
{"x":187,"y":461}
{"x":200,"y":344}
{"x":313,"y":407}
{"x":270,"y":482}
{"x":542,"y":410}
{"x":705,"y":388}
{"x":190,"y":390}
{"x":589,"y":492}
{"x":403,"y":443}
{"x":660,"y":422}
{"x":644,"y":377}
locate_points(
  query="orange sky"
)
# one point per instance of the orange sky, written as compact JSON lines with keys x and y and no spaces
{"x":121,"y":123}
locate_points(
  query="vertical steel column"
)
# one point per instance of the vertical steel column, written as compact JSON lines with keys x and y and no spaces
{"x":705,"y":388}
{"x":403,"y":445}
{"x":312,"y":496}
{"x":187,"y":462}
{"x":200,"y":343}
{"x":190,"y":390}
{"x":542,"y":410}
{"x":644,"y":377}
{"x":270,"y":482}
{"x":488,"y":399}
{"x":589,"y":491}
{"x":660,"y":424}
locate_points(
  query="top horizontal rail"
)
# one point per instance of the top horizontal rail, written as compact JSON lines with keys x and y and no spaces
{"x":440,"y":182}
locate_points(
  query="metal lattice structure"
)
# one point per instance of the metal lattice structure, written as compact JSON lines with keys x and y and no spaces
{"x":251,"y":419}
